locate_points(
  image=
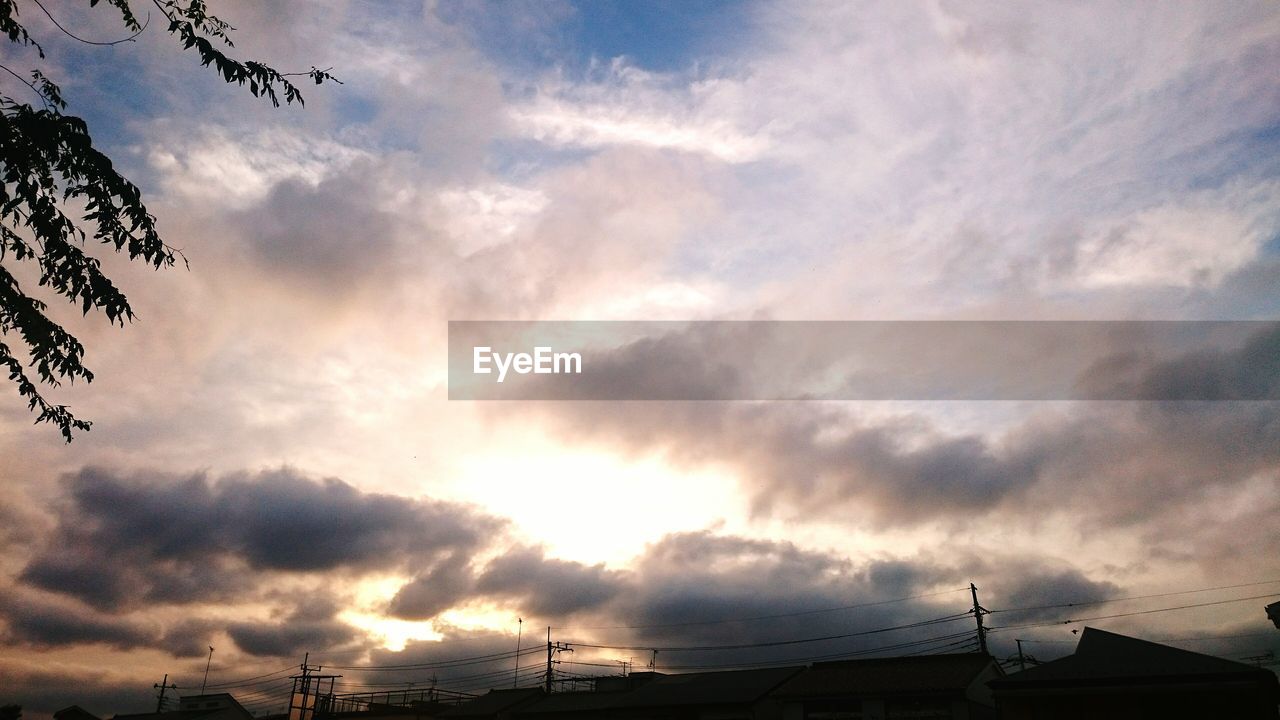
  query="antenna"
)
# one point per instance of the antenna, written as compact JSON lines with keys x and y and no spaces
{"x":206,"y":670}
{"x":515,"y":681}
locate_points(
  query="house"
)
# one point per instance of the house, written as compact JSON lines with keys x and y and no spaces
{"x":936,"y":687}
{"x":214,"y":706}
{"x":75,"y":712}
{"x":1114,"y":676}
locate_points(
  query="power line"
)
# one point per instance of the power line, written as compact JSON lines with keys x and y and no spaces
{"x":777,"y":643}
{"x":764,"y":617}
{"x":423,"y":686}
{"x":233,"y":683}
{"x":456,"y":662}
{"x":964,"y":643}
{"x":1134,"y":597}
{"x":968,"y":636}
{"x":1128,"y":614}
{"x":1271,"y":635}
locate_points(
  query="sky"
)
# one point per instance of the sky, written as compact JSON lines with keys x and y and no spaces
{"x":275,"y":467}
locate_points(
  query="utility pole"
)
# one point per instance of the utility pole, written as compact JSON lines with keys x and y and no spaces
{"x":553,"y":648}
{"x":515,"y":680}
{"x":1022,"y":661}
{"x":316,"y":699}
{"x":306,"y":682}
{"x":653,"y":662}
{"x":164,"y":685}
{"x":206,"y":670}
{"x":978,"y":612}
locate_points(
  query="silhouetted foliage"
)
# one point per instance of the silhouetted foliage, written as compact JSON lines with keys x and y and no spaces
{"x":10,"y":712}
{"x":49,"y":166}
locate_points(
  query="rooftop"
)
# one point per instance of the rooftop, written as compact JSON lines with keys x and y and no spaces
{"x":879,"y":676}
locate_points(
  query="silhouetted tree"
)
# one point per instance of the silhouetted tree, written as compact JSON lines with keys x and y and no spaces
{"x":10,"y":712}
{"x":48,"y":165}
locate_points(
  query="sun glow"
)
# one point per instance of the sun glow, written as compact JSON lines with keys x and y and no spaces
{"x":592,"y":506}
{"x":393,"y":634}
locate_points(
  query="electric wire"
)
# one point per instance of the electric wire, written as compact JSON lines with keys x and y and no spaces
{"x":455,"y":662}
{"x":1132,"y":597}
{"x":775,"y":643}
{"x":765,"y":617}
{"x":1128,"y":614}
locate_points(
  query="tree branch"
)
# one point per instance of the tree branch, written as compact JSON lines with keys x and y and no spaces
{"x":73,"y":36}
{"x":24,"y":81}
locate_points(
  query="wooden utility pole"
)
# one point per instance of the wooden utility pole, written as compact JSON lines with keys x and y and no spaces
{"x":306,"y":687}
{"x":552,"y":649}
{"x":315,"y":697}
{"x":164,"y":685}
{"x":978,"y":612}
{"x":1022,"y":660}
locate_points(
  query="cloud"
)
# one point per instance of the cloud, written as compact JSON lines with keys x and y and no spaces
{"x":189,"y":637}
{"x":434,"y":590}
{"x":310,"y":625}
{"x":548,"y":587}
{"x":166,"y":538}
{"x":694,"y":589}
{"x":814,"y":459}
{"x":330,"y":234}
{"x":1248,"y":372}
{"x":605,"y":234}
{"x":210,"y":165}
{"x":1037,"y":584}
{"x":598,"y":127}
{"x":626,"y":106}
{"x":44,"y":622}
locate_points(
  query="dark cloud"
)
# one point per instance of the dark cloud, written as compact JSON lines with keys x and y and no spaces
{"x":1249,"y":372}
{"x":1249,"y":292}
{"x":521,"y":576}
{"x":190,"y":637}
{"x":311,"y":625}
{"x":434,"y":590}
{"x":548,"y":587}
{"x":698,"y":588}
{"x":326,"y":235}
{"x":163,"y":538}
{"x":702,"y":588}
{"x":1034,"y":586}
{"x":46,"y":622}
{"x":688,"y":584}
